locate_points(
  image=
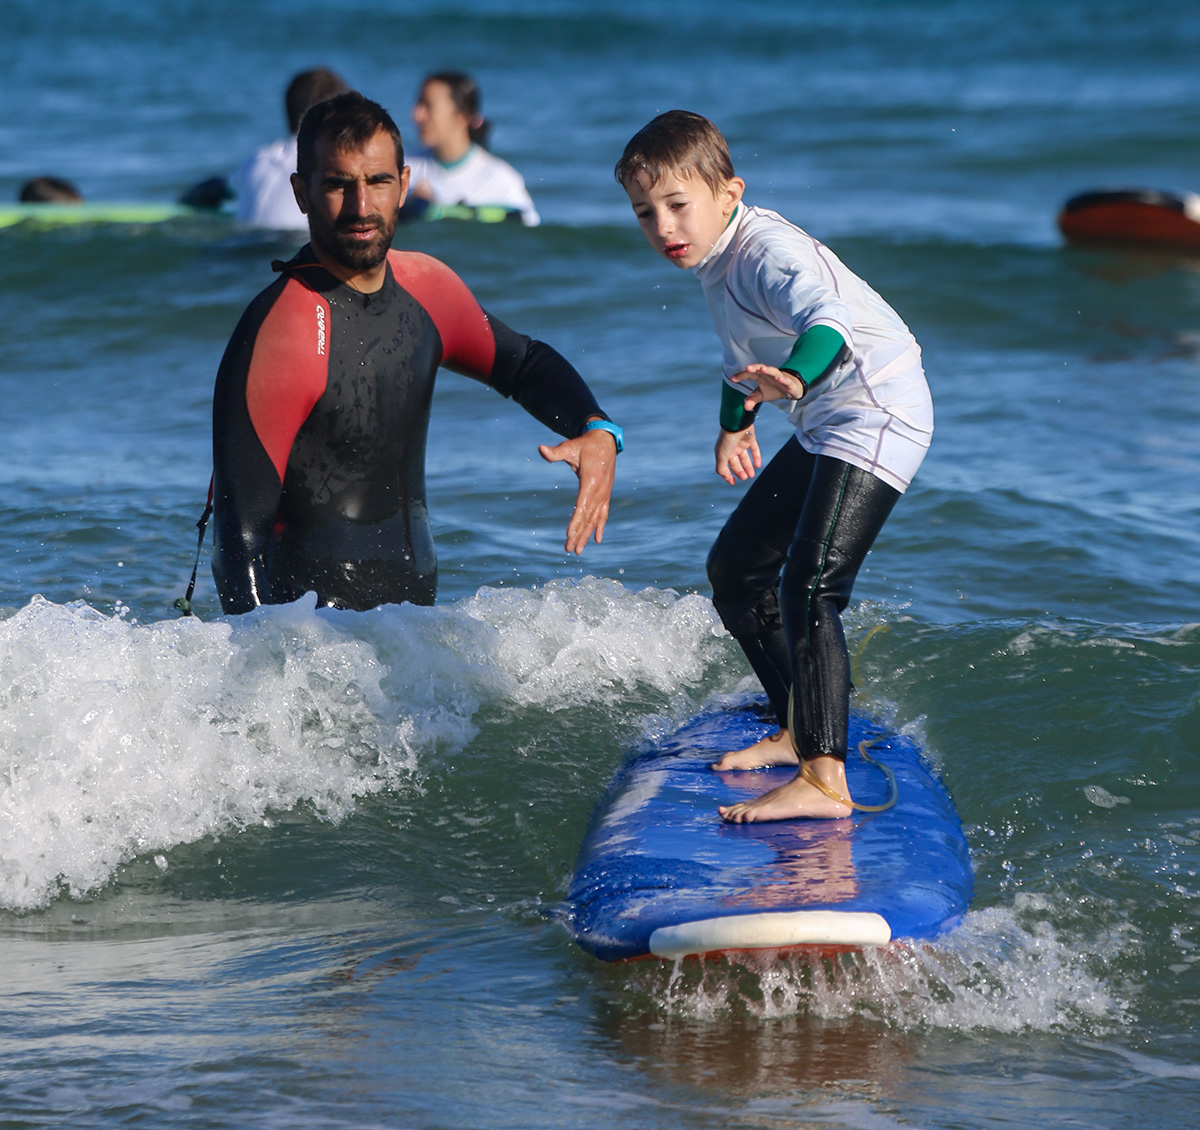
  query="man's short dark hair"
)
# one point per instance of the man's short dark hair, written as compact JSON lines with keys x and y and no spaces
{"x":307,"y":89}
{"x":346,"y":121}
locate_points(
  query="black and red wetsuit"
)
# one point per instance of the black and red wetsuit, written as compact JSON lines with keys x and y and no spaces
{"x":320,"y":418}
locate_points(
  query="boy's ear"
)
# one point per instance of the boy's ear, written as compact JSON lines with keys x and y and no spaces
{"x":734,"y":188}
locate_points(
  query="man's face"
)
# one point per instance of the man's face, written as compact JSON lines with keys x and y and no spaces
{"x":352,"y":200}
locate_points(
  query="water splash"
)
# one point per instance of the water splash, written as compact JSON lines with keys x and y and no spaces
{"x":1002,"y":970}
{"x":123,"y":739}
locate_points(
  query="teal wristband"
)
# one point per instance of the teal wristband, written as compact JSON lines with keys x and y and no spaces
{"x":803,"y":382}
{"x":613,"y":430}
{"x":815,"y":355}
{"x":734,"y":417}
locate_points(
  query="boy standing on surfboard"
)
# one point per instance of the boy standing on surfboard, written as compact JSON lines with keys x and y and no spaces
{"x":800,"y":329}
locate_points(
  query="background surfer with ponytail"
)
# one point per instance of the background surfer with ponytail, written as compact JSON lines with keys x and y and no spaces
{"x":457,"y":168}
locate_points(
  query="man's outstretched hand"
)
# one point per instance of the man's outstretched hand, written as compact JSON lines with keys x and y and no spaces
{"x":593,"y":457}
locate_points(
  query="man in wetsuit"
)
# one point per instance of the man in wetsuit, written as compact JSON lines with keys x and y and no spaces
{"x":322,"y":400}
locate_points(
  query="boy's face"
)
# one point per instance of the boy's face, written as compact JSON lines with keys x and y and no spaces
{"x":681,"y":216}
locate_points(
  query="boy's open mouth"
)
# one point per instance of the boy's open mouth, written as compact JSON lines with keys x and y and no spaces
{"x":676,"y":250}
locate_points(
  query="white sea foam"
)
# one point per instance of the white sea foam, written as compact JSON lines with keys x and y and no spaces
{"x":1001,"y":970}
{"x":120,"y":739}
{"x":569,"y":641}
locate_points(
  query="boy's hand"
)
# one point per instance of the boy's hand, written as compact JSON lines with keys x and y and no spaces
{"x":593,"y":457}
{"x":773,"y":384}
{"x":737,"y":455}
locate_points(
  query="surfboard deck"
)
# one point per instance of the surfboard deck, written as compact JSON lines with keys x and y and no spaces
{"x":660,"y":874}
{"x":1133,"y":216}
{"x":55,"y":215}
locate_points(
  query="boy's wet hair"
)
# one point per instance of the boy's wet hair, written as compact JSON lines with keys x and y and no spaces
{"x":677,"y":142}
{"x":346,"y":121}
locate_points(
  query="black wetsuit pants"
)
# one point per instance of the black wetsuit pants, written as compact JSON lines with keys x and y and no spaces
{"x":781,"y":572}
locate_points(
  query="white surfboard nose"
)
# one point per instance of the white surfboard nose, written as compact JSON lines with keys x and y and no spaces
{"x":771,"y":931}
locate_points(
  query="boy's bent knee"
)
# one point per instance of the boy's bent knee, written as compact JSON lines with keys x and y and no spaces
{"x":722,"y":571}
{"x":739,"y":567}
{"x":751,"y":616}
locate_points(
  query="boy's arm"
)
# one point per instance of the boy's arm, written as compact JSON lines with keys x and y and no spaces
{"x":735,"y":415}
{"x":781,"y":287}
{"x":736,"y":450}
{"x":816,"y":354}
{"x":793,"y":295}
{"x":737,"y":454}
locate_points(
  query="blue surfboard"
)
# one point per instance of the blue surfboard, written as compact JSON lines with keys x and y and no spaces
{"x":661,"y":875}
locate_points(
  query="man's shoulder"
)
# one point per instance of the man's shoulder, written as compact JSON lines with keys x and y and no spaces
{"x":415,"y":268}
{"x":294,"y":294}
{"x":301,"y":272}
{"x":447,"y":300}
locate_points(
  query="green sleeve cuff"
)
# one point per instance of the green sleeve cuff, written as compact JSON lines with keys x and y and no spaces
{"x":734,"y":417}
{"x":814,"y":354}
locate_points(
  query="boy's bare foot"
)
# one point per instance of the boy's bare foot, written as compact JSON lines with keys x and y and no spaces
{"x":771,"y":751}
{"x":797,"y":799}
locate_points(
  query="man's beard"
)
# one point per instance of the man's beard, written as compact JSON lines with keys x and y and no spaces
{"x":352,"y":253}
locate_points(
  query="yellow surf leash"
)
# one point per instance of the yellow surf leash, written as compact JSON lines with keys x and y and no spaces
{"x":863,"y":746}
{"x":862,"y":646}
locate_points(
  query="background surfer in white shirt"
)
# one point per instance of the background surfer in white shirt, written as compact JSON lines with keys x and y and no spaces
{"x":262,"y":187}
{"x":458,"y":169}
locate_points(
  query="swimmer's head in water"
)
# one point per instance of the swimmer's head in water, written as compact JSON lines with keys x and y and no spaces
{"x":680,"y":143}
{"x":50,"y":190}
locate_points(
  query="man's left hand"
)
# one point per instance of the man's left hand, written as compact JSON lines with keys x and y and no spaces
{"x":593,"y":457}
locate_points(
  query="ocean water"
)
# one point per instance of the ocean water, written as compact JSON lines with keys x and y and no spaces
{"x":303,"y":868}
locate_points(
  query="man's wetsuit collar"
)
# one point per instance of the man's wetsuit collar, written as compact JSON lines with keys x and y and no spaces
{"x":305,"y":257}
{"x":306,"y":260}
